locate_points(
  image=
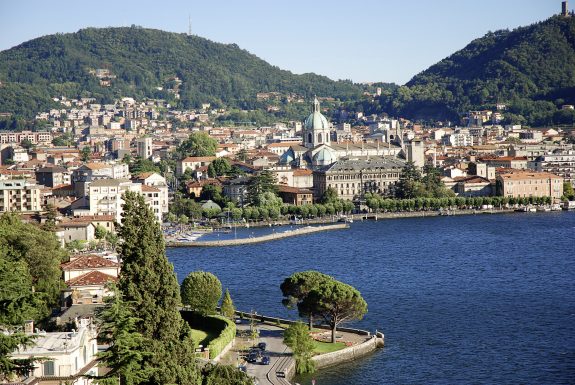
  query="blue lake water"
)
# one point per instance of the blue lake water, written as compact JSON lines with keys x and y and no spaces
{"x":482,"y":299}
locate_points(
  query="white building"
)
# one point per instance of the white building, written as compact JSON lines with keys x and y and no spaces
{"x":85,"y":174}
{"x":561,"y":163}
{"x":105,"y":198}
{"x":68,"y":357}
{"x":158,"y":188}
{"x":461,"y":138}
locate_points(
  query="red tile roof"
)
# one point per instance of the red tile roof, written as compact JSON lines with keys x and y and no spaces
{"x":88,"y":262}
{"x":91,"y":279}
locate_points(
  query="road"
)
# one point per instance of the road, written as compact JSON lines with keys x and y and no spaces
{"x":279,"y":353}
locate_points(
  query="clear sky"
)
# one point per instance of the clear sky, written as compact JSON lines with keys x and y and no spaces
{"x":361,"y":40}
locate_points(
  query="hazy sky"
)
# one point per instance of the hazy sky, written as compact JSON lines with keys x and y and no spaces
{"x":361,"y":40}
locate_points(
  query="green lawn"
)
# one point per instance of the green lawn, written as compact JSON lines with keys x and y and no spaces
{"x":327,"y":347}
{"x":201,"y":337}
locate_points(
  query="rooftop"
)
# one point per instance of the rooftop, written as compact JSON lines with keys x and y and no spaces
{"x":89,"y":261}
{"x":93,"y":278}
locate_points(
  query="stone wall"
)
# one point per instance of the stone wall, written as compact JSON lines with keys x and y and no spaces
{"x":348,"y":354}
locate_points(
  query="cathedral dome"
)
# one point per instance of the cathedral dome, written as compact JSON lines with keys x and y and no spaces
{"x":315,"y":120}
{"x":323,"y":157}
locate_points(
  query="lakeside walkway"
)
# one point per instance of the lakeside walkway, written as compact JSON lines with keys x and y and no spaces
{"x":263,"y":238}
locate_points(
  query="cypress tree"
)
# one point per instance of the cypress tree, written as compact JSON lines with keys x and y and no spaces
{"x":228,"y":309}
{"x":147,"y":281}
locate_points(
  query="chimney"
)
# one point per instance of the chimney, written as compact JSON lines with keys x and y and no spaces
{"x":29,"y":327}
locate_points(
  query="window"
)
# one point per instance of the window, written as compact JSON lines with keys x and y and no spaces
{"x":49,"y":368}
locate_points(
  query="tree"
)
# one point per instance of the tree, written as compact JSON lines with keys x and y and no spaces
{"x":8,"y":366}
{"x":221,"y":166}
{"x":298,"y":339}
{"x":140,"y":165}
{"x":568,"y":192}
{"x":242,"y":155}
{"x":147,"y":281}
{"x":329,"y":196}
{"x":51,"y":215}
{"x":100,"y":232}
{"x":262,"y":182}
{"x":336,"y":303}
{"x":408,"y":185}
{"x":297,"y":287}
{"x":224,"y":375}
{"x":18,"y":299}
{"x":201,"y":291}
{"x":41,"y":254}
{"x":127,"y":351}
{"x":85,"y":153}
{"x":211,"y":171}
{"x":26,"y":143}
{"x":198,"y":144}
{"x":228,"y":309}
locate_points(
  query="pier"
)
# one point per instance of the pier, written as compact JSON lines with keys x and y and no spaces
{"x":263,"y":238}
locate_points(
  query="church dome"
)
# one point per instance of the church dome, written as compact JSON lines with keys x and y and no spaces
{"x":315,"y":120}
{"x":323,"y":157}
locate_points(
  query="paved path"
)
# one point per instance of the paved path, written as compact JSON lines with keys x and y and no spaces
{"x":279,"y":353}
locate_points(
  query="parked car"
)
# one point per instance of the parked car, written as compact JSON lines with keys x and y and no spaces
{"x":265,"y":360}
{"x":252,"y":357}
{"x":262,"y":346}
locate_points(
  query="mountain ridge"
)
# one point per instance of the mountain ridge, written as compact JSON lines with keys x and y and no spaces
{"x":144,"y":60}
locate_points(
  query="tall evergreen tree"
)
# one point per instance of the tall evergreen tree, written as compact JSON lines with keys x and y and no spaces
{"x":263,"y":182}
{"x":148,"y":282}
{"x":127,"y":352}
{"x":228,"y":309}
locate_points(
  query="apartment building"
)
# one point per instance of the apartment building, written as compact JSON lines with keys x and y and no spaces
{"x":20,"y":195}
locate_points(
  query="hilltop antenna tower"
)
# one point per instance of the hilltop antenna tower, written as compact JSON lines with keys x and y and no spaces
{"x":189,"y":25}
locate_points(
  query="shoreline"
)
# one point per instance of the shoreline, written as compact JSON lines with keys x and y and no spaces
{"x":327,"y":224}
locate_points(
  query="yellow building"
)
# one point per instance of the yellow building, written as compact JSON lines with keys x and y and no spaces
{"x":523,"y":183}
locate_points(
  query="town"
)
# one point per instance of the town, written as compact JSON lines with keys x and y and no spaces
{"x":107,"y":199}
{"x":90,"y":154}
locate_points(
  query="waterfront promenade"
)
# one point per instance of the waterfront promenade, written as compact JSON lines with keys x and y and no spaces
{"x":263,"y":238}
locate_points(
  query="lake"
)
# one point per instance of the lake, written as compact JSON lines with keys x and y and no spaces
{"x":482,"y":299}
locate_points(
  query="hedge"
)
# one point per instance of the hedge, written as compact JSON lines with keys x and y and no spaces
{"x":214,"y":324}
{"x":227,"y":335}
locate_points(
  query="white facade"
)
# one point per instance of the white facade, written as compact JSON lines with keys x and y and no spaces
{"x":561,"y":163}
{"x":105,"y":197}
{"x":159,"y":182}
{"x":66,"y":355}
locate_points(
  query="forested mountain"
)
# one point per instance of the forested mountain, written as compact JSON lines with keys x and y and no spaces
{"x":530,"y":69}
{"x":140,"y":61}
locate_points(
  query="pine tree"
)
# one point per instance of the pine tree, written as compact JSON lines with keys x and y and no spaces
{"x":228,"y":309}
{"x":127,"y":352}
{"x":148,"y":282}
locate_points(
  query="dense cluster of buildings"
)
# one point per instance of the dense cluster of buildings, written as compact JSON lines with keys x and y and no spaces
{"x":78,"y":165}
{"x":307,"y":158}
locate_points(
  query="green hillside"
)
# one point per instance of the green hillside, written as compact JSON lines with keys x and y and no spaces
{"x":530,"y":69}
{"x":140,"y":61}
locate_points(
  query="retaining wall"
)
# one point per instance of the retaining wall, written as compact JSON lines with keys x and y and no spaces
{"x":347,"y":354}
